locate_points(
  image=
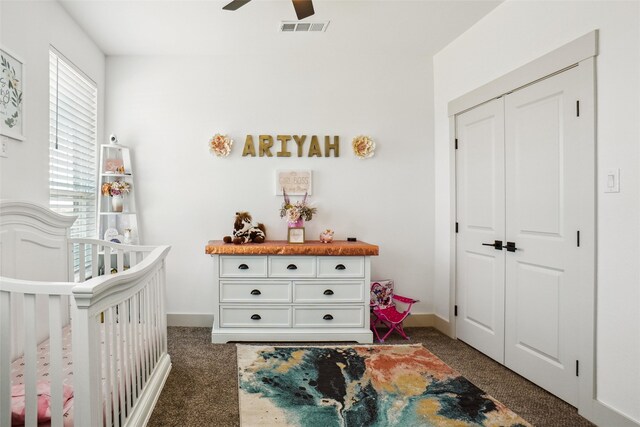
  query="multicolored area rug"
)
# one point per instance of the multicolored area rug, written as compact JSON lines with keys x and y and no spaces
{"x":364,"y":385}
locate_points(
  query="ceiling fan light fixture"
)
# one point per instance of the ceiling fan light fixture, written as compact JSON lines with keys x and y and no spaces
{"x":304,"y":8}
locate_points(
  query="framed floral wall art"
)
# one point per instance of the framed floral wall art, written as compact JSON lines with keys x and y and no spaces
{"x":11,"y":96}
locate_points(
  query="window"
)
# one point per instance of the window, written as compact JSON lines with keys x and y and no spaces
{"x":72,"y":145}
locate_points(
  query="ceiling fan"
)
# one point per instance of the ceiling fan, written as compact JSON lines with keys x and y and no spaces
{"x":304,"y":8}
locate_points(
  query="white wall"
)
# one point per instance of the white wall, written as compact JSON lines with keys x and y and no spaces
{"x":166,"y":109}
{"x":515,"y":33}
{"x":27,"y":30}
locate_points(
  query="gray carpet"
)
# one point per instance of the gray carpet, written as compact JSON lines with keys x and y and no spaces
{"x":202,"y":387}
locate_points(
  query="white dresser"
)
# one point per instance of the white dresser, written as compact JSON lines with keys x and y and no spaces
{"x":277,"y":291}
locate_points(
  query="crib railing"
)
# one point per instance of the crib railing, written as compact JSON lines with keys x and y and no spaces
{"x":118,"y":335}
{"x":119,"y":332}
{"x":99,"y":257}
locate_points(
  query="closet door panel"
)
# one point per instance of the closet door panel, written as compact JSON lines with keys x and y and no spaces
{"x":480,"y":216}
{"x":541,"y":157}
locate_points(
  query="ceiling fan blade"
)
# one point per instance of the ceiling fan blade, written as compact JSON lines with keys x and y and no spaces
{"x":236,"y":4}
{"x":304,"y":8}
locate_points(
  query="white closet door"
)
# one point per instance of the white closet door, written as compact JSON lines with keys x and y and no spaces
{"x":541,"y":135}
{"x":480,"y":214}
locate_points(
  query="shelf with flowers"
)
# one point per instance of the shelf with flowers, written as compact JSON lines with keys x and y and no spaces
{"x":116,"y":190}
{"x":296,"y":213}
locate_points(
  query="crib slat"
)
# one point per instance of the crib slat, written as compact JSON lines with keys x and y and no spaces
{"x":128,"y":347}
{"x":156,"y":285}
{"x":120,"y":260}
{"x":106,"y":366}
{"x":94,"y":261}
{"x":114,"y":366}
{"x":55,"y":359}
{"x":152,"y":324}
{"x":5,"y":358}
{"x":30,"y":360}
{"x":136,"y":343}
{"x":163,"y":313}
{"x":133,"y":259}
{"x":156,"y":323}
{"x":81,"y":266}
{"x":107,"y":260}
{"x":147,"y":332}
{"x":158,"y":277}
{"x":70,"y":262}
{"x":121,"y":369}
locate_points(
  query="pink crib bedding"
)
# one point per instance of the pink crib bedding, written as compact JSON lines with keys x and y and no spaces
{"x":17,"y":381}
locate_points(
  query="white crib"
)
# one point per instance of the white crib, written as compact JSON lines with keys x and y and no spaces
{"x":117,"y":321}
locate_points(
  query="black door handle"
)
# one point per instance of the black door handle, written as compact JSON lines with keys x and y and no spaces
{"x":243,"y":267}
{"x":255,"y":292}
{"x":256,"y":317}
{"x":292,"y":267}
{"x":497,"y":244}
{"x":328,"y":292}
{"x":511,"y":247}
{"x":328,"y":317}
{"x":340,"y":267}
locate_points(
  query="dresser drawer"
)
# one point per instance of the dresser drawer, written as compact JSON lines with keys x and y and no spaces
{"x":328,"y":292}
{"x":292,"y":266}
{"x":255,"y":317}
{"x":255,"y":292}
{"x":328,"y":317}
{"x":243,"y":266}
{"x":340,"y":266}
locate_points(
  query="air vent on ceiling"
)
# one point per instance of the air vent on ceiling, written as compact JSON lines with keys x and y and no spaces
{"x":303,"y":27}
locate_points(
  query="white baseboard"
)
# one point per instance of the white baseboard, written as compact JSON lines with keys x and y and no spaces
{"x":206,"y":321}
{"x":602,"y":414}
{"x":420,"y":321}
{"x":443,"y":326}
{"x":190,"y":320}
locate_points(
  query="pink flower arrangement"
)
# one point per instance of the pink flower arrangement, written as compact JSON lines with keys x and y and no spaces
{"x":115,"y":188}
{"x":294,"y":211}
{"x":220,"y":145}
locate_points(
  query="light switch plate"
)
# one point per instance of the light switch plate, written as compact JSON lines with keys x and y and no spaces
{"x":612,"y":181}
{"x":4,"y":147}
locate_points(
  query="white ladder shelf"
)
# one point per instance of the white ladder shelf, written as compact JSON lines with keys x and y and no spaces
{"x":115,"y":165}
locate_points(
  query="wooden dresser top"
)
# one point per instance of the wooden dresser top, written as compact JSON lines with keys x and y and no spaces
{"x":282,"y":247}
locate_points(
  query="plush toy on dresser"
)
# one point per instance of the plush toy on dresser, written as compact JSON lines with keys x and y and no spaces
{"x":245,"y":232}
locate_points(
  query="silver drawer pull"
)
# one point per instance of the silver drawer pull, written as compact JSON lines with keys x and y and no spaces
{"x":243,"y":267}
{"x":292,"y":267}
{"x":255,"y":292}
{"x":328,"y":292}
{"x":328,"y":317}
{"x":340,"y":267}
{"x":256,"y":317}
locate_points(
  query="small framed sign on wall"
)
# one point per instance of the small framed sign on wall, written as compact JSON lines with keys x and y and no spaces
{"x":294,"y":182}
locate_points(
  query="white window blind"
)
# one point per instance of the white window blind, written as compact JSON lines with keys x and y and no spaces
{"x":72,"y":145}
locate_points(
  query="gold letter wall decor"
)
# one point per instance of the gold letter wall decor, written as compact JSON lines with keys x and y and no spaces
{"x":283,"y":145}
{"x":300,"y":142}
{"x":314,"y":148}
{"x":249,"y":149}
{"x":335,"y":146}
{"x":266,"y":142}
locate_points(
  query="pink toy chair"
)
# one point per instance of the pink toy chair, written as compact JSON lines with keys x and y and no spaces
{"x":383,"y":309}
